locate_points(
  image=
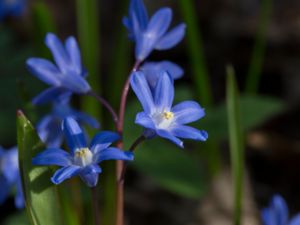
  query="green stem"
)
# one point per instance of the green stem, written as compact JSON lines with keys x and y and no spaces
{"x":89,"y":37}
{"x":258,"y":54}
{"x":196,"y":53}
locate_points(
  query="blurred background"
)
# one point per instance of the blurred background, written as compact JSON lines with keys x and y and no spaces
{"x":165,"y":185}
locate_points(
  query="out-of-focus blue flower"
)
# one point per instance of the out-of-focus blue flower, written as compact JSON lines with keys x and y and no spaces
{"x":151,"y":34}
{"x":10,"y":176}
{"x":159,"y":117}
{"x":152,"y":70}
{"x":49,"y":127}
{"x":11,"y":8}
{"x":278,"y":213}
{"x":82,"y":160}
{"x":66,"y":77}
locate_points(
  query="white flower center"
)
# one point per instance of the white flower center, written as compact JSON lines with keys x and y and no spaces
{"x":83,"y":157}
{"x":164,"y":119}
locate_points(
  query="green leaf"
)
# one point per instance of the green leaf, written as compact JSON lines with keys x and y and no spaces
{"x":17,"y":219}
{"x":40,"y":194}
{"x":254,"y":110}
{"x":169,"y":166}
{"x":236,"y":141}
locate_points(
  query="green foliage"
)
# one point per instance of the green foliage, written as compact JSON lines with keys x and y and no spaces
{"x":20,"y":218}
{"x":236,"y":141}
{"x":41,"y":197}
{"x":195,"y":52}
{"x":254,"y":111}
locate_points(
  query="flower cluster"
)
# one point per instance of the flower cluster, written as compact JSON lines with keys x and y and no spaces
{"x":277,"y":213}
{"x":152,"y":82}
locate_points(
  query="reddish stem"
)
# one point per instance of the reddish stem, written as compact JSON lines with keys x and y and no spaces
{"x":120,"y":164}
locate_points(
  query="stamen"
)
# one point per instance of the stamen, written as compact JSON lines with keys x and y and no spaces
{"x":168,"y":115}
{"x":83,"y":157}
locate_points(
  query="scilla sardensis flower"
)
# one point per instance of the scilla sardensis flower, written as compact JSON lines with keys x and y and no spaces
{"x":277,"y":213}
{"x":83,"y":160}
{"x":159,"y":117}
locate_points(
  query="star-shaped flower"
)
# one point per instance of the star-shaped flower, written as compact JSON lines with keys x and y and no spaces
{"x":49,"y":127}
{"x":159,"y":117}
{"x":83,"y":160}
{"x":66,"y":77}
{"x":10,"y":176}
{"x":278,"y":213}
{"x":151,"y":34}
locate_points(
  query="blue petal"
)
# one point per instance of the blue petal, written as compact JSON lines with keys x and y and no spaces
{"x":268,"y":217}
{"x":102,"y":140}
{"x":113,"y":154}
{"x":74,"y":135}
{"x":59,"y":94}
{"x":164,"y":92}
{"x":144,"y":120}
{"x":65,"y":173}
{"x":44,"y":70}
{"x":84,"y":118}
{"x":141,"y":89}
{"x":4,"y":189}
{"x":280,"y":209}
{"x":152,"y":71}
{"x":49,"y":130}
{"x":137,"y":7}
{"x":53,"y":156}
{"x":74,"y":54}
{"x":60,"y":56}
{"x":90,"y":175}
{"x":172,"y":38}
{"x":159,"y":23}
{"x":187,"y":132}
{"x":187,"y":112}
{"x":19,"y":198}
{"x":10,"y":165}
{"x":295,"y":220}
{"x":171,"y":137}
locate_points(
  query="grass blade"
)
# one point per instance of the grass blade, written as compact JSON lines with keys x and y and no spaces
{"x":257,"y":59}
{"x":236,"y":143}
{"x":196,"y":52}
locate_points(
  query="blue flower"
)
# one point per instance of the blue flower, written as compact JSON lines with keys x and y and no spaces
{"x":152,"y":70}
{"x":11,"y":8}
{"x":10,"y":176}
{"x":159,"y":117}
{"x":66,"y":77}
{"x":278,"y":213}
{"x":49,"y":127}
{"x":151,"y":34}
{"x":82,"y":160}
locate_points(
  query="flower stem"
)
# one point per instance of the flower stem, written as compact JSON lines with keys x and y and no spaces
{"x":95,"y":205}
{"x":120,"y":164}
{"x":107,"y":106}
{"x":136,"y":143}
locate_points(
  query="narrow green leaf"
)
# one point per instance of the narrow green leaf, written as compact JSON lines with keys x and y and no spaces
{"x":196,"y":52}
{"x":236,"y":143}
{"x":88,"y":19}
{"x":258,"y":54}
{"x":41,"y":197}
{"x":43,"y":23}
